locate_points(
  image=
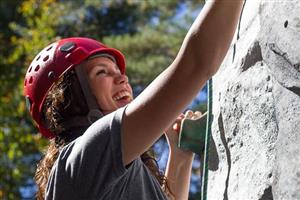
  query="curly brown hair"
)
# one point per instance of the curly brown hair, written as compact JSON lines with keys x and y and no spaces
{"x":63,"y":102}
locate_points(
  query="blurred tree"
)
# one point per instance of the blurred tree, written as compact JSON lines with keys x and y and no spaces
{"x":148,"y":32}
{"x":19,"y":147}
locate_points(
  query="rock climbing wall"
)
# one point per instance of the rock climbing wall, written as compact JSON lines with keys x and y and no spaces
{"x":256,"y":127}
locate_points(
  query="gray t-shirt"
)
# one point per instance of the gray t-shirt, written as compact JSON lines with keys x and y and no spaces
{"x":91,"y":168}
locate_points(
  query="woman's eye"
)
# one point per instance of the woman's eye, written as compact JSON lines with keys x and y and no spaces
{"x":102,"y":71}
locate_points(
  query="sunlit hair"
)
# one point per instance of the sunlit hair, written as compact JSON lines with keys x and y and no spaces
{"x":63,"y":102}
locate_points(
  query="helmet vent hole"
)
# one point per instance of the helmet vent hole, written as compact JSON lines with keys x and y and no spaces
{"x":37,"y":68}
{"x":51,"y":75}
{"x":46,"y":58}
{"x":38,"y":58}
{"x":25,"y":82}
{"x":30,"y":79}
{"x":30,"y":69}
{"x":49,"y":48}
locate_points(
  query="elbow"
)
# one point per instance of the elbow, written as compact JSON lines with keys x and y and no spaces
{"x":209,"y":62}
{"x":212,"y":71}
{"x":202,"y":58}
{"x":207,"y":68}
{"x":206,"y":54}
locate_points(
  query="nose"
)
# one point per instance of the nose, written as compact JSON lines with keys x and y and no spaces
{"x":121,"y":79}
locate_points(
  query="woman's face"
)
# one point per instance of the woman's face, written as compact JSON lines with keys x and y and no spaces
{"x":109,"y":86}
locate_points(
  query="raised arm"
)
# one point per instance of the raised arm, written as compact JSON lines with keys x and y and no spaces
{"x":199,"y":57}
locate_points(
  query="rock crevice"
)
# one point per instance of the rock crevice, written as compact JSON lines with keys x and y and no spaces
{"x":228,"y":156}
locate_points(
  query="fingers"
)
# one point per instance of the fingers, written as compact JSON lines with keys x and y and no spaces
{"x":176,"y":127}
{"x":177,"y":123}
{"x":197,"y":115}
{"x":181,"y":116}
{"x":192,"y":115}
{"x":189,"y":114}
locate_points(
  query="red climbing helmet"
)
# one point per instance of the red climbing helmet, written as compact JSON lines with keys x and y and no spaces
{"x":53,"y":61}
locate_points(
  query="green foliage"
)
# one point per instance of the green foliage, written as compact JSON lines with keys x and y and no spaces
{"x":28,"y":29}
{"x":145,"y":31}
{"x":148,"y":52}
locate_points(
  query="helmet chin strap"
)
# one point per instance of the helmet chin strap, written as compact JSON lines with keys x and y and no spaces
{"x":94,"y":110}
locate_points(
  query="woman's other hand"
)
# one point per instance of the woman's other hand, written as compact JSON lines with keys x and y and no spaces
{"x":172,"y":133}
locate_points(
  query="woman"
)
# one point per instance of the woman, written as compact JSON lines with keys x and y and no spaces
{"x":78,"y":94}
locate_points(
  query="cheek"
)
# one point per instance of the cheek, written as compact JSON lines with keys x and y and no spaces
{"x":101,"y":88}
{"x":97,"y":83}
{"x":93,"y":86}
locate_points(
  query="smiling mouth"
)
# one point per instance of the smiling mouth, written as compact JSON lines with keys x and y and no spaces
{"x":122,"y":95}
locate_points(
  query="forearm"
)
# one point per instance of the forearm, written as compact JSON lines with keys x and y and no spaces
{"x":199,"y":58}
{"x":210,"y":36}
{"x":178,"y":173}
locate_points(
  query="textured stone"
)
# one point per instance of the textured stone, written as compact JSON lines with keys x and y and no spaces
{"x":256,"y":107}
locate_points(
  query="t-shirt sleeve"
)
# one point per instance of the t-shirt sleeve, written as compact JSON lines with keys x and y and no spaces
{"x":95,"y":160}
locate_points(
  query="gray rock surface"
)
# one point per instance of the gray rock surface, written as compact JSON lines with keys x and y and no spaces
{"x":256,"y":127}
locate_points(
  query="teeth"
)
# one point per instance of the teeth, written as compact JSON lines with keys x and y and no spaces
{"x":120,"y":95}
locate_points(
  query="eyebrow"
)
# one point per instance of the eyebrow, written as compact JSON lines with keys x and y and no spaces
{"x":100,"y":65}
{"x":103,"y":65}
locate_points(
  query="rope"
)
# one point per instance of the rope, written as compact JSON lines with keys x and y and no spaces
{"x":209,"y":122}
{"x":207,"y":141}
